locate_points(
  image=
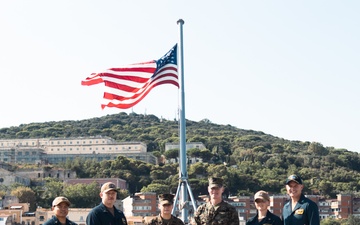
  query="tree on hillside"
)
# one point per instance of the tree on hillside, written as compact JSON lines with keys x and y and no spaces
{"x":157,"y":188}
{"x":215,"y":170}
{"x":25,"y":195}
{"x":2,"y":193}
{"x":204,"y":154}
{"x":197,"y":169}
{"x":317,"y":149}
{"x":172,"y":154}
{"x":83,"y":195}
{"x":326,"y":188}
{"x":330,"y":221}
{"x":122,"y":194}
{"x":353,"y":220}
{"x":51,"y":189}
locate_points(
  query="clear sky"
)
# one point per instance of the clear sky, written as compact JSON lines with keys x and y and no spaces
{"x":288,"y":68}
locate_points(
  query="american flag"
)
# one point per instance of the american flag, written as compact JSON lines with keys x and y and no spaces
{"x":128,"y":85}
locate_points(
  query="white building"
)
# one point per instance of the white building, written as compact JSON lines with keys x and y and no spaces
{"x":55,"y":150}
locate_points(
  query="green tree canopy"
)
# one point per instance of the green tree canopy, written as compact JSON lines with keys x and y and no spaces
{"x":25,"y":195}
{"x":83,"y":195}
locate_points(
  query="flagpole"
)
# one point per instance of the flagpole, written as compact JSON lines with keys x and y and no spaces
{"x":183,"y":176}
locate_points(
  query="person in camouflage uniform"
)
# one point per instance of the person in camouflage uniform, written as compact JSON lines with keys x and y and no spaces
{"x":166,"y":204}
{"x":216,"y":211}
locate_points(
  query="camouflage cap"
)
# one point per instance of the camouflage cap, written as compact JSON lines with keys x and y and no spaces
{"x":215,"y":182}
{"x":166,"y":199}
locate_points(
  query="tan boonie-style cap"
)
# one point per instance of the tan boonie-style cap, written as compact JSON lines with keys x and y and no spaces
{"x":59,"y":200}
{"x":109,"y":186}
{"x":166,"y":199}
{"x":263,"y":195}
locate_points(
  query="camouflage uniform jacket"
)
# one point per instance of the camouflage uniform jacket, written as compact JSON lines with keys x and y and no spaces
{"x":160,"y":221}
{"x":225,"y":214}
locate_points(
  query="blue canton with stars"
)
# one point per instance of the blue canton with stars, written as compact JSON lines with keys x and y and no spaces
{"x":168,"y":58}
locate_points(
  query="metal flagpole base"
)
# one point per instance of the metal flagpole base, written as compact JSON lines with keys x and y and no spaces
{"x":183,"y":183}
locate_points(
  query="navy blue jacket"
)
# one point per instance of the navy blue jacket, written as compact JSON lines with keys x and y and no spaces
{"x":54,"y":221}
{"x":101,"y":216}
{"x":306,"y":212}
{"x":270,"y":219}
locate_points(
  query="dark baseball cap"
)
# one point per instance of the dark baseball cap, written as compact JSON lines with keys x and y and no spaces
{"x":295,"y":178}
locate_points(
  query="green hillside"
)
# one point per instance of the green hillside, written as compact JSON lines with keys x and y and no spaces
{"x":248,"y":160}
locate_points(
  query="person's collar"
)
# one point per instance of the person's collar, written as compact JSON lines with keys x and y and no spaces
{"x":56,"y":219}
{"x":108,"y":206}
{"x":215,"y":202}
{"x":163,"y":218}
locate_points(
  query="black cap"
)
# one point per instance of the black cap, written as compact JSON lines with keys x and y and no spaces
{"x":166,"y":199}
{"x":295,"y":178}
{"x":215,"y":182}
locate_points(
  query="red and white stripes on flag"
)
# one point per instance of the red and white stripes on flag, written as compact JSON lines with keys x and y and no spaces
{"x":128,"y":85}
